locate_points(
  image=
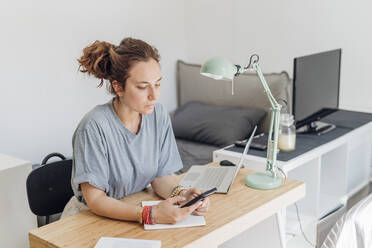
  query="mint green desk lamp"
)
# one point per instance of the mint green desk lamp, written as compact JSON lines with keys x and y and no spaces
{"x":221,"y":69}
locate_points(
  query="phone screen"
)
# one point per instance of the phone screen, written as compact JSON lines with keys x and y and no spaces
{"x":200,"y":197}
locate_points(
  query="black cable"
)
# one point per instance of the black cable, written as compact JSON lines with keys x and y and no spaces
{"x":254,"y":56}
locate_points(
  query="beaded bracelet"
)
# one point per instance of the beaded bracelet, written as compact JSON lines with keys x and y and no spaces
{"x":176,"y":191}
{"x":140,"y":219}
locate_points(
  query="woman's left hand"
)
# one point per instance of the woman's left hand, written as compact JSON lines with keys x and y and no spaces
{"x":192,"y":193}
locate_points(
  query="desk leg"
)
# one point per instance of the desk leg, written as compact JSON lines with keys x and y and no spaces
{"x":280,"y":220}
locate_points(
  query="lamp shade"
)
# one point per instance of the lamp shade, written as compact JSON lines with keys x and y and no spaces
{"x":218,"y":68}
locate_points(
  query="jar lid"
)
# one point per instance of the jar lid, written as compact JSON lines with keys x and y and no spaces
{"x":286,"y":119}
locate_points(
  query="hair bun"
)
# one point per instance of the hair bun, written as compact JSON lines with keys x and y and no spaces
{"x":96,"y":60}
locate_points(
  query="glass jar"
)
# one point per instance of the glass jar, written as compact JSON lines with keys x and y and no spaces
{"x":287,"y":133}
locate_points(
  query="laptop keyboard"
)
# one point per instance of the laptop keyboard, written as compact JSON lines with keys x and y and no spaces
{"x":213,"y":177}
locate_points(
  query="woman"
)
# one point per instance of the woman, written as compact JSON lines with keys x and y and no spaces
{"x":124,"y":145}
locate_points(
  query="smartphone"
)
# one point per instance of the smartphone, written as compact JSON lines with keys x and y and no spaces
{"x":200,"y":197}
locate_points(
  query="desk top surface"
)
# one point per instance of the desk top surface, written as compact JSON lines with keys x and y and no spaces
{"x":345,"y":121}
{"x":242,"y":207}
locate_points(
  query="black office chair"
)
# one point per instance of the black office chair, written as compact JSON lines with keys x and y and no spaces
{"x":49,"y":187}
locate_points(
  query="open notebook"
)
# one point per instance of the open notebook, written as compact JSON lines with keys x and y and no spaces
{"x":192,"y":220}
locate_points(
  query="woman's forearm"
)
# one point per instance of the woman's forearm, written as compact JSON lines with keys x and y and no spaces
{"x":100,"y":204}
{"x":115,"y":209}
{"x":163,"y":186}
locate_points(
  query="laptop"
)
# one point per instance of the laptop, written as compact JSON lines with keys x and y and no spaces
{"x":221,"y":177}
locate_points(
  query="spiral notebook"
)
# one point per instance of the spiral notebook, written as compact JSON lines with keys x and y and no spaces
{"x":190,"y":221}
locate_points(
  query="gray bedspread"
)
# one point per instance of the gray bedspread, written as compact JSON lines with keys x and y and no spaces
{"x":194,"y":153}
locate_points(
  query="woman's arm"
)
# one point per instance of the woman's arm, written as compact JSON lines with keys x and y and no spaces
{"x":165,"y":212}
{"x":163,"y":186}
{"x":100,"y":204}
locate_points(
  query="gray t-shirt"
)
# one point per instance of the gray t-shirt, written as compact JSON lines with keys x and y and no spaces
{"x":111,"y":158}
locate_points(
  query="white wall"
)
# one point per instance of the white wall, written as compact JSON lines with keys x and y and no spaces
{"x":281,"y":30}
{"x":42,"y":95}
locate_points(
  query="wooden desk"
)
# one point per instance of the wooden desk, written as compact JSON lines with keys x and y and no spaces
{"x":228,"y":216}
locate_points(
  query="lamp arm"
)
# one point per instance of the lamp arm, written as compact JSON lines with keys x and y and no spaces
{"x":272,"y":142}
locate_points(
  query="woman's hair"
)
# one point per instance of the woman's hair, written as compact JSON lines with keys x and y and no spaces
{"x":109,"y":62}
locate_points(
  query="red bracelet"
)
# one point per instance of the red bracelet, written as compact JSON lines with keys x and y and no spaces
{"x":146,"y":215}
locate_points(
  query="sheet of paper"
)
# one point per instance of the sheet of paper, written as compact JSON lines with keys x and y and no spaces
{"x":106,"y":242}
{"x":192,"y":220}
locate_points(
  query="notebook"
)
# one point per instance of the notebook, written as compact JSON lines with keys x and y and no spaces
{"x":191,"y":220}
{"x":221,"y":177}
{"x":106,"y":242}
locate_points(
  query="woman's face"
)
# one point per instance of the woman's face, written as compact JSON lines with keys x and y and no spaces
{"x":142,"y":88}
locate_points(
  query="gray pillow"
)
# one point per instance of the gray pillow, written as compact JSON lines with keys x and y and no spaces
{"x":215,"y":125}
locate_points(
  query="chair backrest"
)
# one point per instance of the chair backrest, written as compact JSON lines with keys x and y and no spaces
{"x":49,"y":187}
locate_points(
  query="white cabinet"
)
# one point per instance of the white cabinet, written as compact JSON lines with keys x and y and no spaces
{"x":332,"y":172}
{"x":16,"y":218}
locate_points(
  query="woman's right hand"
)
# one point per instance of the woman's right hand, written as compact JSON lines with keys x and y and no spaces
{"x":166,"y":213}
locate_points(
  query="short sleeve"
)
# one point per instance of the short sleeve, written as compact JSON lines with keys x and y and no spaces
{"x":169,"y":159}
{"x":90,"y":163}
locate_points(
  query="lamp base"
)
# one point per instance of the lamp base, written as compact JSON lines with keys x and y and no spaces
{"x":262,"y":181}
